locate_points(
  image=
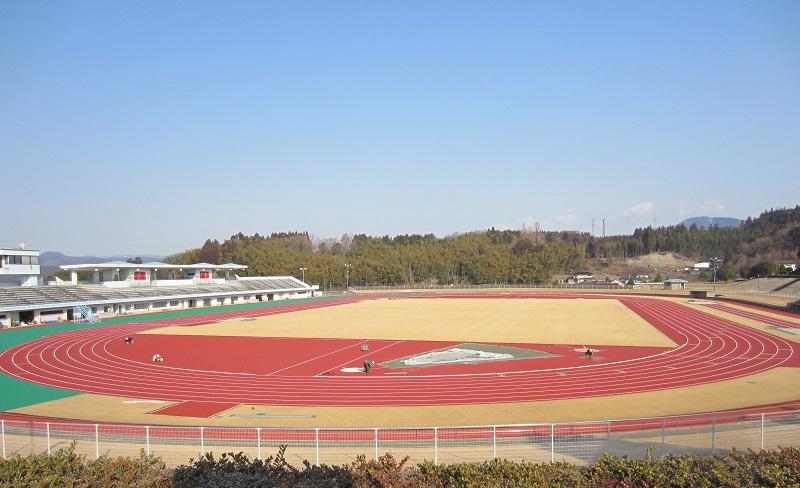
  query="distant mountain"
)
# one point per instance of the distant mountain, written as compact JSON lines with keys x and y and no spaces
{"x":706,"y":222}
{"x":51,"y":260}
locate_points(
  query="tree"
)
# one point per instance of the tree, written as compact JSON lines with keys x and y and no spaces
{"x":210,"y":252}
{"x":136,"y":260}
{"x":764,"y":268}
{"x":726,"y":273}
{"x":347,"y":242}
{"x":793,"y":236}
{"x":498,"y":256}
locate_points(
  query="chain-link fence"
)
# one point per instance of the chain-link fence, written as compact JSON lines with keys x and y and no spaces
{"x":573,"y":442}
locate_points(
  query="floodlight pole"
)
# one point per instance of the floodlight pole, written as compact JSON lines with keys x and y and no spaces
{"x":714,"y":262}
{"x":347,"y":267}
{"x":303,"y":270}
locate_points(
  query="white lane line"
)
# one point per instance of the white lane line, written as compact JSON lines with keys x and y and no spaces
{"x":315,"y":358}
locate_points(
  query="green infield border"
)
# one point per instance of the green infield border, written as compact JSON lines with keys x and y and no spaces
{"x":16,"y":393}
{"x":517,"y":352}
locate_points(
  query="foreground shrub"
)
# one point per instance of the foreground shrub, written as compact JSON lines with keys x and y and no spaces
{"x":738,"y":469}
{"x":499,"y":473}
{"x":238,"y":470}
{"x":65,"y":467}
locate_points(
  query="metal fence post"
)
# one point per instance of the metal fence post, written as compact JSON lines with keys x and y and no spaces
{"x":376,"y":444}
{"x":258,"y":441}
{"x":762,"y":431}
{"x":552,"y":443}
{"x":202,"y":443}
{"x":494,"y":442}
{"x":147,"y":438}
{"x":3,"y":435}
{"x":316,"y":443}
{"x":436,"y":445}
{"x":96,"y":441}
{"x":48,"y":437}
{"x":608,"y":432}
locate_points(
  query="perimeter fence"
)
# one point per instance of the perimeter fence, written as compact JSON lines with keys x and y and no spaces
{"x":725,"y":290}
{"x":578,"y":443}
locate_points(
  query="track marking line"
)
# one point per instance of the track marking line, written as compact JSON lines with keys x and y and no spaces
{"x":359,"y":357}
{"x":317,"y":357}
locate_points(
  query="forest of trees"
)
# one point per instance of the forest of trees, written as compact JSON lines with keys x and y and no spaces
{"x":499,"y":256}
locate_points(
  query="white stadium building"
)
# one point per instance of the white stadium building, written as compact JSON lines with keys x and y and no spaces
{"x":121,"y":288}
{"x":19,"y":266}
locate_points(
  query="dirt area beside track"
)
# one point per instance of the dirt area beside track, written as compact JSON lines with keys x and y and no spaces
{"x":534,"y":321}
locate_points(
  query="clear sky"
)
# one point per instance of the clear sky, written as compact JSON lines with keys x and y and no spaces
{"x":145,"y":127}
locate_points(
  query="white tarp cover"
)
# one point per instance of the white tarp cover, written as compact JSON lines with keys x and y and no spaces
{"x":455,"y":355}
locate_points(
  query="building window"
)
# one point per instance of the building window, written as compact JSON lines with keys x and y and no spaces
{"x":106,"y":309}
{"x":140,"y":306}
{"x":94,"y":309}
{"x":174,"y":303}
{"x":207,"y":303}
{"x":159,"y":304}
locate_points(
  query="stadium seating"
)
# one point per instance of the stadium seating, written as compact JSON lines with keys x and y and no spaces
{"x":60,"y":295}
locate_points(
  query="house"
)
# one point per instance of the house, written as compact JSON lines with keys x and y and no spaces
{"x":675,"y":284}
{"x":581,"y":277}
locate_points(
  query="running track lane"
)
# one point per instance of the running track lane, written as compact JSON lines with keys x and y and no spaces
{"x":709,"y":349}
{"x":754,"y":316}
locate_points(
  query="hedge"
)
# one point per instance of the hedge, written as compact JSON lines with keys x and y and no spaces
{"x":737,"y":469}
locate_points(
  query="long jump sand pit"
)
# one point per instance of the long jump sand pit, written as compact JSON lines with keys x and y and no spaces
{"x":533,"y":321}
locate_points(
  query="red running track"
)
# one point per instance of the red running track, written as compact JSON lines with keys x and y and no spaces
{"x":755,"y":316}
{"x":709,"y":349}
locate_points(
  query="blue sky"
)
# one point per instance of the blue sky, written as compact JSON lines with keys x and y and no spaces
{"x":146,"y":127}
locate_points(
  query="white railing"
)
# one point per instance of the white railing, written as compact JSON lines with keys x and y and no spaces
{"x":579,"y":443}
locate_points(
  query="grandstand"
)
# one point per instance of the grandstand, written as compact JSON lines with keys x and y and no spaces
{"x":124,"y":288}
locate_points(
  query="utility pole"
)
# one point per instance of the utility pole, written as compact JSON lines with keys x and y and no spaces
{"x":303,"y":270}
{"x":347,"y":275}
{"x":592,"y":226}
{"x":604,"y":228}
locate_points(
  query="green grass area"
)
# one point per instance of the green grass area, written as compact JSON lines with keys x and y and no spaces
{"x":516,"y":352}
{"x":16,"y":393}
